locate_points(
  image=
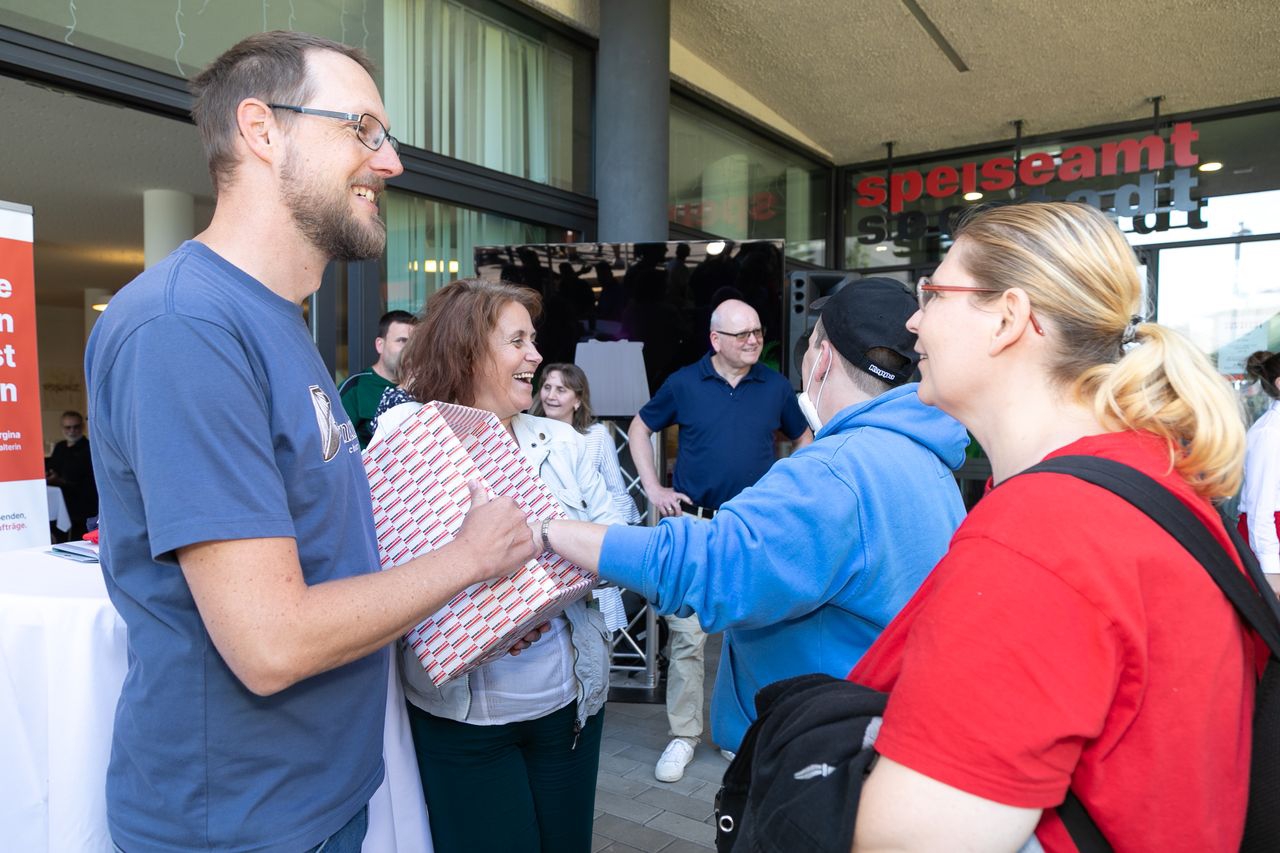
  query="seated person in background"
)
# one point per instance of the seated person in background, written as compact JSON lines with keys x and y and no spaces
{"x":566,"y":397}
{"x":802,"y":570}
{"x":1065,"y":641}
{"x":362,"y":392}
{"x":70,"y":467}
{"x":523,"y":732}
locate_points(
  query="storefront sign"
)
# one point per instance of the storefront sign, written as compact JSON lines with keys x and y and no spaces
{"x":1146,"y":199}
{"x":24,"y":508}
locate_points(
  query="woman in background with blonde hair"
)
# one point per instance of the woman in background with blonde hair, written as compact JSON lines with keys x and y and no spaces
{"x":565,"y":396}
{"x":1065,"y":641}
{"x":1259,"y":521}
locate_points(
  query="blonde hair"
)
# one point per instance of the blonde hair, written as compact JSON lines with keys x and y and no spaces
{"x":1080,"y":274}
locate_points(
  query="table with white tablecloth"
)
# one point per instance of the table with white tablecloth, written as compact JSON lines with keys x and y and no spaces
{"x":62,"y":661}
{"x":58,"y":514}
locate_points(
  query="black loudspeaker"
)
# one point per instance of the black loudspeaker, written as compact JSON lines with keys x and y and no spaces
{"x":803,"y":287}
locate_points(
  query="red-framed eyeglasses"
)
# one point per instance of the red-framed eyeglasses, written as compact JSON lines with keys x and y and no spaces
{"x":926,"y":289}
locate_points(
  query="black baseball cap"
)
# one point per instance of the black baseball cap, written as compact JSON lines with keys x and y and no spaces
{"x":867,"y":313}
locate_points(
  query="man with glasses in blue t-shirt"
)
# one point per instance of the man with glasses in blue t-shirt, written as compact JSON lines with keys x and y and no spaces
{"x":728,"y":408}
{"x":237,"y":529}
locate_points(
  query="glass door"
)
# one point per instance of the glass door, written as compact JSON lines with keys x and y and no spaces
{"x":1226,"y":298}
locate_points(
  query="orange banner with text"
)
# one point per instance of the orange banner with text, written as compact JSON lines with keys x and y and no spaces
{"x":24,"y":519}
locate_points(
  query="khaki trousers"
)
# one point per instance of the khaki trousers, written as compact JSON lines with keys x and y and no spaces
{"x":686,"y":672}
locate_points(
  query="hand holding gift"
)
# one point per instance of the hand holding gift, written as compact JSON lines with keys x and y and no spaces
{"x":496,"y":531}
{"x":430,"y":480}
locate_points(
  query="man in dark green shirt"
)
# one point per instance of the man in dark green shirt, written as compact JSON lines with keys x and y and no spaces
{"x":362,"y":391}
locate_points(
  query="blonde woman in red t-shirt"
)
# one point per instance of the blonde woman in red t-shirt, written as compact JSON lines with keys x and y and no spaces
{"x":1064,"y":641}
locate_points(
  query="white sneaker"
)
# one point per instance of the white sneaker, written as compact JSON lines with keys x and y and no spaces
{"x":727,"y":755}
{"x":674,"y":759}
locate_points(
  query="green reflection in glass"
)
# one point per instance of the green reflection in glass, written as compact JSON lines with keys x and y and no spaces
{"x":430,"y":243}
{"x":180,"y":38}
{"x":730,"y":182}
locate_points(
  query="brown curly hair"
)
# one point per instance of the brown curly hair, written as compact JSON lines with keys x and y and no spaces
{"x":450,"y":343}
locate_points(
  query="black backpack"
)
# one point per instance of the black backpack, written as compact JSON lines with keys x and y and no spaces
{"x":797,"y":778}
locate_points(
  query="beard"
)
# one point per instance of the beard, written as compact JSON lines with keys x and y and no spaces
{"x":324,"y":217}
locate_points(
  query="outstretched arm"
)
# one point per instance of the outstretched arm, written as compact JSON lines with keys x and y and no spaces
{"x":578,"y":542}
{"x":776,"y":551}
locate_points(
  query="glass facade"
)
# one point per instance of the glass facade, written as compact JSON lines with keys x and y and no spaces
{"x":1199,"y":180}
{"x":731,"y":182}
{"x":181,"y":38}
{"x":430,"y":243}
{"x":474,"y":81}
{"x":894,"y":232}
{"x":479,"y":83}
{"x":1200,"y":203}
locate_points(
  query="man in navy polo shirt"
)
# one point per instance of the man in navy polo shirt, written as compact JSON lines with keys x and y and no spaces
{"x":728,"y":408}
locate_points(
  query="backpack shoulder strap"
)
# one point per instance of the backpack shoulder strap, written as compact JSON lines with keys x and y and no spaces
{"x":1080,"y":826}
{"x":1253,"y":602}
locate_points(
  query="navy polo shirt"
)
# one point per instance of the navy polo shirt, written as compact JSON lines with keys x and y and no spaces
{"x":726,"y":433}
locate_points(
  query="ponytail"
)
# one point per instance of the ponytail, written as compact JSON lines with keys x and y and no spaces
{"x":1166,"y":386}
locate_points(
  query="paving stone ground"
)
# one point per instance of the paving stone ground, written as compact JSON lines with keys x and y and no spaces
{"x":635,"y":813}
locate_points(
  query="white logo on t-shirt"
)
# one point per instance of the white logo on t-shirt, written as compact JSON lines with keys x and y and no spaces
{"x":330,"y":434}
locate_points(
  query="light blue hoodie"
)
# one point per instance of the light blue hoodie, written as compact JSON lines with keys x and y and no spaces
{"x":804,"y":569}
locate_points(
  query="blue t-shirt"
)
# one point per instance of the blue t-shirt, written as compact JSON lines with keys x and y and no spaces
{"x":214,"y":418}
{"x":726,"y":433}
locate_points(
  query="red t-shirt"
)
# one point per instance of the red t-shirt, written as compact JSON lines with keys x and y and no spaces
{"x":1065,"y":640}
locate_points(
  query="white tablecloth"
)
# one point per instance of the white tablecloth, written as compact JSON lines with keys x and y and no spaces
{"x":58,"y":508}
{"x":62,"y":661}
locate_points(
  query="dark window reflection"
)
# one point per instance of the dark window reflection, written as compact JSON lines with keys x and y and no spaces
{"x":661,"y":294}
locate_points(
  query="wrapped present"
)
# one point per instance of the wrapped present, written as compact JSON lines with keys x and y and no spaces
{"x":418,"y":478}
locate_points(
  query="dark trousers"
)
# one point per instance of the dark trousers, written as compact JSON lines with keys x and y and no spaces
{"x":516,"y":788}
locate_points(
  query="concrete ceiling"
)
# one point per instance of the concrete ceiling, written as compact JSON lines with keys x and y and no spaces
{"x":852,"y":75}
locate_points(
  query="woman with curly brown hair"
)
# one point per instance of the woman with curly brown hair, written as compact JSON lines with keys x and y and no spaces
{"x":520,"y":734}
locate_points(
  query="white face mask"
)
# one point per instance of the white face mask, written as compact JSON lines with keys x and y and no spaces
{"x":809,"y":408}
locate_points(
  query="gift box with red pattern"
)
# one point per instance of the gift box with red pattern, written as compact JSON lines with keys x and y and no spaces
{"x":418,"y":479}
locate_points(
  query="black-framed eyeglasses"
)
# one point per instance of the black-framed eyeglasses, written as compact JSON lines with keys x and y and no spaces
{"x":743,"y":336}
{"x":926,"y":290}
{"x":369,"y":130}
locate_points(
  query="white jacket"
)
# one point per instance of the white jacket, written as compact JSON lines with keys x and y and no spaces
{"x":558,"y":453}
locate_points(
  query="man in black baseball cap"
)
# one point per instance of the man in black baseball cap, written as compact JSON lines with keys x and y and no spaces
{"x":800,"y":569}
{"x":861,"y":330}
{"x":866,"y":321}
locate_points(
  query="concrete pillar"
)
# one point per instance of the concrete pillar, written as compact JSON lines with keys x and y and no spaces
{"x":633,"y":94}
{"x":168,"y":218}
